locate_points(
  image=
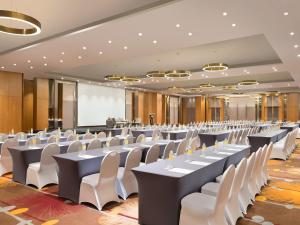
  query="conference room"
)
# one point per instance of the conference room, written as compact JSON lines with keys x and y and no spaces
{"x":150,"y":112}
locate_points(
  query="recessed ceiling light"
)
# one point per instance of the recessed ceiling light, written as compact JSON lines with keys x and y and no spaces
{"x":140,"y":34}
{"x":62,"y":53}
{"x":285,"y":13}
{"x":233,"y":25}
{"x":125,"y":47}
{"x":298,"y":55}
{"x":84,"y":48}
{"x":177,"y":25}
{"x":202,"y":75}
{"x":292,"y":33}
{"x":62,"y":78}
{"x":224,"y":13}
{"x":15,"y":64}
{"x":296,"y":46}
{"x":77,"y":80}
{"x":45,"y":64}
{"x":100,"y":53}
{"x":109,"y":41}
{"x":44,"y":57}
{"x":155,"y":42}
{"x":61,"y":61}
{"x":2,"y":67}
{"x":28,"y":61}
{"x":79,"y":57}
{"x":274,"y":68}
{"x":31,"y":67}
{"x":190,"y":34}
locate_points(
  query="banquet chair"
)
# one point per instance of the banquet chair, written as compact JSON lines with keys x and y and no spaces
{"x":124,"y":131}
{"x":44,"y":172}
{"x":52,"y":139}
{"x":88,"y":136}
{"x":232,"y":210}
{"x":259,"y":175}
{"x":3,"y":137}
{"x":152,"y":154}
{"x":169,"y":147}
{"x":33,"y":141}
{"x":72,"y":137}
{"x":230,"y":137}
{"x":100,"y":188}
{"x":96,"y":143}
{"x":21,"y":136}
{"x":101,"y":135}
{"x":130,"y":139}
{"x":114,"y":141}
{"x":40,"y":134}
{"x":265,"y":174}
{"x":140,"y":138}
{"x":252,"y":185}
{"x":181,"y":147}
{"x":280,"y":149}
{"x":67,"y":133}
{"x":195,"y":143}
{"x":6,"y":164}
{"x":126,"y":181}
{"x":202,"y":209}
{"x":238,"y":136}
{"x":75,"y":146}
{"x":189,"y":135}
{"x":195,"y":133}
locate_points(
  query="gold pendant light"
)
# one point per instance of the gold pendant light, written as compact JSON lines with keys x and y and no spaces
{"x":36,"y":25}
{"x":215,"y":67}
{"x":178,"y":73}
{"x":156,"y":74}
{"x":207,"y":85}
{"x":113,"y":77}
{"x":248,"y":83}
{"x":130,"y":79}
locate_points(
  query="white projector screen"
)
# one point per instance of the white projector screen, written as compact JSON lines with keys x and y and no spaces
{"x":97,"y":103}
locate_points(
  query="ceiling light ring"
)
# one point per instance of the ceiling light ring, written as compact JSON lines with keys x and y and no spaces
{"x":215,"y":67}
{"x":156,"y":74}
{"x":113,"y":77}
{"x":36,"y":25}
{"x":178,"y":74}
{"x":248,"y":83}
{"x":207,"y":85}
{"x":130,"y":79}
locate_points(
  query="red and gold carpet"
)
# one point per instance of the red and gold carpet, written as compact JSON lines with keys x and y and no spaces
{"x":278,"y":203}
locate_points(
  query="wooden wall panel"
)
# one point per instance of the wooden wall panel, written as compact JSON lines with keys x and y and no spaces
{"x":222,"y":109}
{"x":28,"y":105}
{"x":41,"y":103}
{"x":11,"y":100}
{"x":292,"y":106}
{"x":159,"y":109}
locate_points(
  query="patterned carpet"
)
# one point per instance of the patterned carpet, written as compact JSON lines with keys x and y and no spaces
{"x":278,"y":203}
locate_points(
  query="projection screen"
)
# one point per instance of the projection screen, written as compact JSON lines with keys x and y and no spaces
{"x":97,"y":103}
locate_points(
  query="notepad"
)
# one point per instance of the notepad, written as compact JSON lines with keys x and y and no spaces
{"x":181,"y":170}
{"x":213,"y":157}
{"x":199,"y":163}
{"x":224,"y":153}
{"x":86,"y":156}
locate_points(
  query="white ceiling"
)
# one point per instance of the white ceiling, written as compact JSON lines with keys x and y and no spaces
{"x":259,"y":46}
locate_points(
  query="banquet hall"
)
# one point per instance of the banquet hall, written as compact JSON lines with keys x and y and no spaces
{"x":150,"y":112}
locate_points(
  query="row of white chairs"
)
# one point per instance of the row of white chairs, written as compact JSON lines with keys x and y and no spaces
{"x":224,"y":201}
{"x":241,"y":136}
{"x":283,"y":148}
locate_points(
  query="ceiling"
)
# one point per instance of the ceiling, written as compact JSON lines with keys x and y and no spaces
{"x":150,"y":35}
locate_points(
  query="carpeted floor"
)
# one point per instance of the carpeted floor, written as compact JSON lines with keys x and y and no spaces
{"x":278,"y":203}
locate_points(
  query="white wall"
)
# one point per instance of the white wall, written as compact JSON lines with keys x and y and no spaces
{"x":97,"y":103}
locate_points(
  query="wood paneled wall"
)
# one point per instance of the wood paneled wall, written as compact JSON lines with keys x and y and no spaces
{"x":28,"y":105}
{"x":11,"y":91}
{"x":41,"y":103}
{"x":292,"y":107}
{"x":200,"y":109}
{"x":151,"y":103}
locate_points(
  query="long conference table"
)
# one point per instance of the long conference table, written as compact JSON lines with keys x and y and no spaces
{"x":164,"y":183}
{"x":289,"y":127}
{"x":74,"y":166}
{"x":22,"y":156}
{"x":174,"y":134}
{"x":210,"y":138}
{"x":259,"y":140}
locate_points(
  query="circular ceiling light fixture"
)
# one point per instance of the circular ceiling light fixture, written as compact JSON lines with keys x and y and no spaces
{"x":175,"y":89}
{"x":229,"y":88}
{"x":193,"y":90}
{"x":178,"y":73}
{"x":130,"y":79}
{"x":156,"y":74}
{"x":215,"y":67}
{"x":35,"y":29}
{"x":207,"y":85}
{"x":248,"y":83}
{"x":113,"y":77}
